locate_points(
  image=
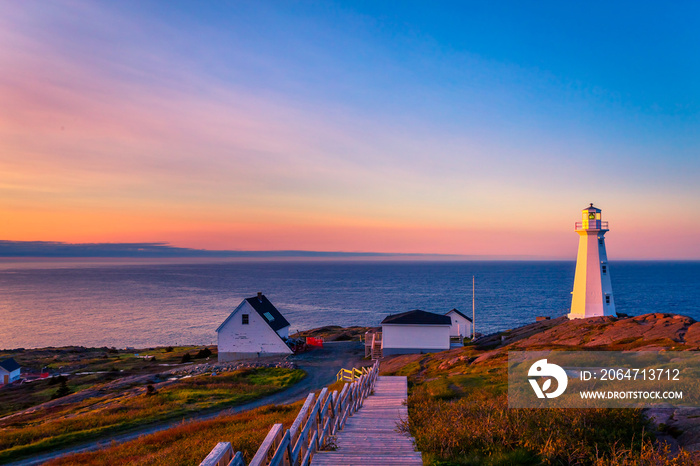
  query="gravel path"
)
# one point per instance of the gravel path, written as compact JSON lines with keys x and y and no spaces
{"x":321,"y":365}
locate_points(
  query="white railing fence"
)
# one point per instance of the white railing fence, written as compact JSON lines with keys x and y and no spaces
{"x":319,"y":418}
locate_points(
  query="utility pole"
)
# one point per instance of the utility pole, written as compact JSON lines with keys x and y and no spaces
{"x":473,"y":310}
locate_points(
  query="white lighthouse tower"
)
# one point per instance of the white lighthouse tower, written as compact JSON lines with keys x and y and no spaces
{"x":592,"y":295}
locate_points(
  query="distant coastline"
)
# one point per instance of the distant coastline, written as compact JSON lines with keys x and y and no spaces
{"x":163,"y":250}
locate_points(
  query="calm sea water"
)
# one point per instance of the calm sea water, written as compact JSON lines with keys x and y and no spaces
{"x":166,"y":304}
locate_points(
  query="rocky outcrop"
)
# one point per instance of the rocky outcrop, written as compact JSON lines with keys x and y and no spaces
{"x":198,"y":369}
{"x":653,"y":332}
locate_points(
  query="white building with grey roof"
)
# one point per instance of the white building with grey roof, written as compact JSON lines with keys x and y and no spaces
{"x":254,"y":329}
{"x":461,"y":324}
{"x":415,"y":332}
{"x":9,"y":371}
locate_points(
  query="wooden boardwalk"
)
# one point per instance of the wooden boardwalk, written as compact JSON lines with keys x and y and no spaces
{"x":370,"y":436}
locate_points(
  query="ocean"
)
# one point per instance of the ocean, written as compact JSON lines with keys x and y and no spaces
{"x":127,"y":304}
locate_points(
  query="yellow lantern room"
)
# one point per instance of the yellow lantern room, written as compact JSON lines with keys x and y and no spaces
{"x":591,"y":219}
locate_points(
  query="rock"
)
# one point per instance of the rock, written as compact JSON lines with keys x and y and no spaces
{"x":679,"y":425}
{"x":692,"y":336}
{"x":454,"y":361}
{"x":651,"y":331}
{"x":487,"y":355}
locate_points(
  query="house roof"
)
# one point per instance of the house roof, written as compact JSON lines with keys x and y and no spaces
{"x":267,"y":311}
{"x":9,"y":365}
{"x":417,"y":317}
{"x":459,"y":313}
{"x":262,"y":306}
{"x":591,"y":208}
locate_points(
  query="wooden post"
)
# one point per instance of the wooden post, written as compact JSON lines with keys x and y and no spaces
{"x":221,"y":455}
{"x":273,"y":438}
{"x":299,"y":430}
{"x":473,"y":309}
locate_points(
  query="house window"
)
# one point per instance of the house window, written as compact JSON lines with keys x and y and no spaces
{"x":605,"y":269}
{"x":268,"y":316}
{"x":244,"y":319}
{"x":607,"y":299}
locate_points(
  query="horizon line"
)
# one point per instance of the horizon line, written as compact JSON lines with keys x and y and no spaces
{"x":10,"y":249}
{"x":155,"y":250}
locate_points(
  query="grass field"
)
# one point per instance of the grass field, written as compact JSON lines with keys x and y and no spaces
{"x":98,"y":416}
{"x":85,"y":367}
{"x":191,"y":442}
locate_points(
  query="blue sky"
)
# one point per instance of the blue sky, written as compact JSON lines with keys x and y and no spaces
{"x":451,"y":126}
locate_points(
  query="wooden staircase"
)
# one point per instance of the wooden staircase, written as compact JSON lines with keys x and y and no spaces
{"x":358,"y":426}
{"x":371,"y":436}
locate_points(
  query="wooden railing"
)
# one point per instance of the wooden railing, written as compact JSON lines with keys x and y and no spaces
{"x":373,"y":344}
{"x":350,"y":375}
{"x":319,"y":418}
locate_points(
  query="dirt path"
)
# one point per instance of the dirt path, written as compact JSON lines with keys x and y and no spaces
{"x":321,"y":365}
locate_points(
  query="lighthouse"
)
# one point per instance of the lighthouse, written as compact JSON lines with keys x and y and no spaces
{"x":592,"y":295}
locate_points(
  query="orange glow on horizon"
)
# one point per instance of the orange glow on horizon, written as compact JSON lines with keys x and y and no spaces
{"x":120,"y":227}
{"x":115,"y":140}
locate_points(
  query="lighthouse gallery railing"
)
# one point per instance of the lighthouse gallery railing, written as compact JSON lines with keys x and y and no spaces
{"x":591,"y":225}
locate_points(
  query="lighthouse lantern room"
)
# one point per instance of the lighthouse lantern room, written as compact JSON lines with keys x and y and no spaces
{"x":592,"y":295}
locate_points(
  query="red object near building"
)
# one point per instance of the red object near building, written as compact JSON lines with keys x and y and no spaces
{"x":313,"y":341}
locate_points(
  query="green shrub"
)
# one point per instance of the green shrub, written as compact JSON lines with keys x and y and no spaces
{"x":62,"y":391}
{"x":203,"y":354}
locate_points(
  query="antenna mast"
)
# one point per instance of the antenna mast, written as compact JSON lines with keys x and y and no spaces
{"x":473,"y":310}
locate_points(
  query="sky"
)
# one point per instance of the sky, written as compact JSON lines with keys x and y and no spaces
{"x":473,"y":128}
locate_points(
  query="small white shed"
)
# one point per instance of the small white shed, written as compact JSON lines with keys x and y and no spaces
{"x":415,"y":332}
{"x":9,"y":371}
{"x":461,"y":324}
{"x":254,"y":329}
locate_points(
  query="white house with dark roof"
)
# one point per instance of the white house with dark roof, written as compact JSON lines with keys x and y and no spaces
{"x":9,"y":371}
{"x":415,"y":332}
{"x":254,"y":329}
{"x":461,"y":324}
